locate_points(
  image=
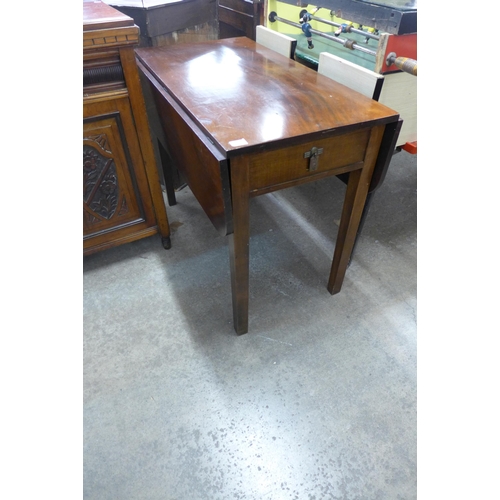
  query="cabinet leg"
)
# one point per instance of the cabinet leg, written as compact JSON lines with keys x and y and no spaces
{"x":167,"y":244}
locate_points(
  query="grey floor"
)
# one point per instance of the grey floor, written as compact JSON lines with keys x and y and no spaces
{"x":317,"y":401}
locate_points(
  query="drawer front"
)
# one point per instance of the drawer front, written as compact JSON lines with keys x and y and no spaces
{"x":238,"y":6}
{"x":292,"y":164}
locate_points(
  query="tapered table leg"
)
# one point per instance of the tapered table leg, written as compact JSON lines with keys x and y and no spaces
{"x":239,"y":244}
{"x":346,"y":237}
{"x":354,"y":202}
{"x":167,"y":174}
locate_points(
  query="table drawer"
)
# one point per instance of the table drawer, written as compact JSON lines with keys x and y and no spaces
{"x":290,"y":164}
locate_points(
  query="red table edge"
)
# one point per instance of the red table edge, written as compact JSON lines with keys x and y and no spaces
{"x":411,"y":147}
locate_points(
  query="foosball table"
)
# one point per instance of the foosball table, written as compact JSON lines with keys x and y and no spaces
{"x":369,"y":46}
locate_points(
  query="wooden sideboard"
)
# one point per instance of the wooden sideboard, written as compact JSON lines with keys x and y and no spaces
{"x":122,"y":196}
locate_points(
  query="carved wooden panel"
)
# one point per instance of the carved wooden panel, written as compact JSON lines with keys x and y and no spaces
{"x":110,"y":197}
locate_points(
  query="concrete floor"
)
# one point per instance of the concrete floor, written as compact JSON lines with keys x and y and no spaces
{"x":317,"y":401}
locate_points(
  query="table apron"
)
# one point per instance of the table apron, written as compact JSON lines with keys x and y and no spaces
{"x":310,"y":178}
{"x":276,"y":169}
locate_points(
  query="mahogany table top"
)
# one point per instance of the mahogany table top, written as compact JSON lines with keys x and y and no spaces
{"x":246,"y":97}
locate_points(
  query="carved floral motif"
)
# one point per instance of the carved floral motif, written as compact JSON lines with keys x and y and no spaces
{"x":100,"y":183}
{"x":102,"y":140}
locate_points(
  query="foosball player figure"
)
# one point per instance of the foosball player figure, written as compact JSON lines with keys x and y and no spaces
{"x":306,"y":28}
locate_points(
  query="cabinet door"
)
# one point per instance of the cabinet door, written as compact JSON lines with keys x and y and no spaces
{"x":117,"y":204}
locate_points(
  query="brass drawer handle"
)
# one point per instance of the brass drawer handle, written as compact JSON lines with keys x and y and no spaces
{"x":313,"y":158}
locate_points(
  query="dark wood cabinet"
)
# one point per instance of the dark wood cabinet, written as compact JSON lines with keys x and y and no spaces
{"x":122,"y":195}
{"x":239,"y":17}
